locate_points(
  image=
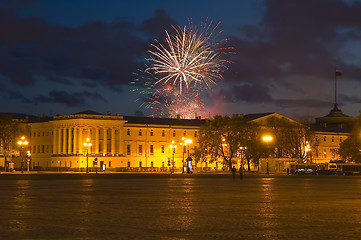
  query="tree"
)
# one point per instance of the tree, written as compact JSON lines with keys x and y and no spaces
{"x":350,"y":148}
{"x":222,"y":137}
{"x":9,"y":132}
{"x":289,"y":138}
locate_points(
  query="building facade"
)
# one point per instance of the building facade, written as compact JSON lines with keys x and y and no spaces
{"x":116,"y":142}
{"x":328,"y":133}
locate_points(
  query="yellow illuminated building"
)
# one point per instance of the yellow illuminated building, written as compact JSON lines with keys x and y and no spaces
{"x":327,"y":134}
{"x":126,"y":143}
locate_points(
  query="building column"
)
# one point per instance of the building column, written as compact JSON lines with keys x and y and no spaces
{"x":75,"y":141}
{"x":120,"y":143}
{"x":54,"y":142}
{"x":96,"y":145}
{"x":112,"y":137}
{"x":105,"y":141}
{"x":63,"y":135}
{"x":69,"y":140}
{"x":59,"y":141}
{"x":80,"y":140}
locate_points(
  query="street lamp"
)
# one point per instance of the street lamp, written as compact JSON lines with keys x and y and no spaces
{"x":307,"y":150}
{"x":184,"y":144}
{"x":22,"y":143}
{"x":87,"y":144}
{"x":242,"y":149}
{"x":267,"y":139}
{"x":28,"y":154}
{"x":173,"y":146}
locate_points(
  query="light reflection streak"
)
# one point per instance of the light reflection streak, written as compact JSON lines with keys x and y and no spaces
{"x":86,"y":200}
{"x":266,"y":209}
{"x":20,"y":202}
{"x":180,"y":204}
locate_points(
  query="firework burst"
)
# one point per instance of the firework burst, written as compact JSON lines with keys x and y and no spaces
{"x":190,"y":58}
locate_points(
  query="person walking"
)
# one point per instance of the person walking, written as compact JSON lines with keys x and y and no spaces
{"x":240,"y":172}
{"x":234,"y":171}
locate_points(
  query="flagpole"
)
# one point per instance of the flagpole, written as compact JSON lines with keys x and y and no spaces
{"x":335,"y":87}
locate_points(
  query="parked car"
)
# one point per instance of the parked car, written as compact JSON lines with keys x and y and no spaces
{"x":304,"y":171}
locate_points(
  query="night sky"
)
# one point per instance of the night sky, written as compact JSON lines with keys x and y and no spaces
{"x":66,"y":56}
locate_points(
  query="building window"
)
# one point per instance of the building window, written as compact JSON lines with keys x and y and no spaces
{"x":333,"y":139}
{"x":128,"y":131}
{"x":128,"y":164}
{"x":140,"y":149}
{"x":34,"y":134}
{"x":128,"y":149}
{"x":163,"y":133}
{"x":47,"y":133}
{"x":140,"y":132}
{"x":34,"y":149}
{"x":151,"y":149}
{"x":195,"y":134}
{"x":173,"y":133}
{"x":340,"y":139}
{"x":325,"y":154}
{"x":162,"y":149}
{"x":140,"y":164}
{"x":316,"y":138}
{"x":151,"y":132}
{"x":38,"y":134}
{"x":47,"y":148}
{"x":324,"y":138}
{"x":38,"y":148}
{"x":185,"y":133}
{"x":110,"y":164}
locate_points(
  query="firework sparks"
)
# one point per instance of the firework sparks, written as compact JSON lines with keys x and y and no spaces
{"x":168,"y":102}
{"x":189,"y":59}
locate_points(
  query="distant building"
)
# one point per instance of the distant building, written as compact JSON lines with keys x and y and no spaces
{"x":327,"y":134}
{"x":117,"y":141}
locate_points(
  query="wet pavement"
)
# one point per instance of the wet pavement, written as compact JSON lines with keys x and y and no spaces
{"x":164,"y":206}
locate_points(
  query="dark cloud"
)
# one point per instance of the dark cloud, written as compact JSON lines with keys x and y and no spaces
{"x":157,"y":25}
{"x":303,"y":39}
{"x":309,"y":103}
{"x":17,"y":3}
{"x":77,"y":99}
{"x":253,"y":93}
{"x":139,"y":113}
{"x":350,"y":99}
{"x":16,"y":95}
{"x":98,"y":52}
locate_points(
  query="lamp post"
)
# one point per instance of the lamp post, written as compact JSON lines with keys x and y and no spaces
{"x":307,"y":150}
{"x":87,"y":144}
{"x":184,"y":144}
{"x":242,"y":156}
{"x":22,"y":143}
{"x":173,"y":146}
{"x":267,"y":139}
{"x":28,"y":154}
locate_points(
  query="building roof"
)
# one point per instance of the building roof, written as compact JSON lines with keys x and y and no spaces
{"x":89,"y":112}
{"x":20,"y":116}
{"x":254,"y":116}
{"x":163,"y":121}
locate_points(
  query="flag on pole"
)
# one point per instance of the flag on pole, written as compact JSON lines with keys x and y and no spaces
{"x":338,"y":73}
